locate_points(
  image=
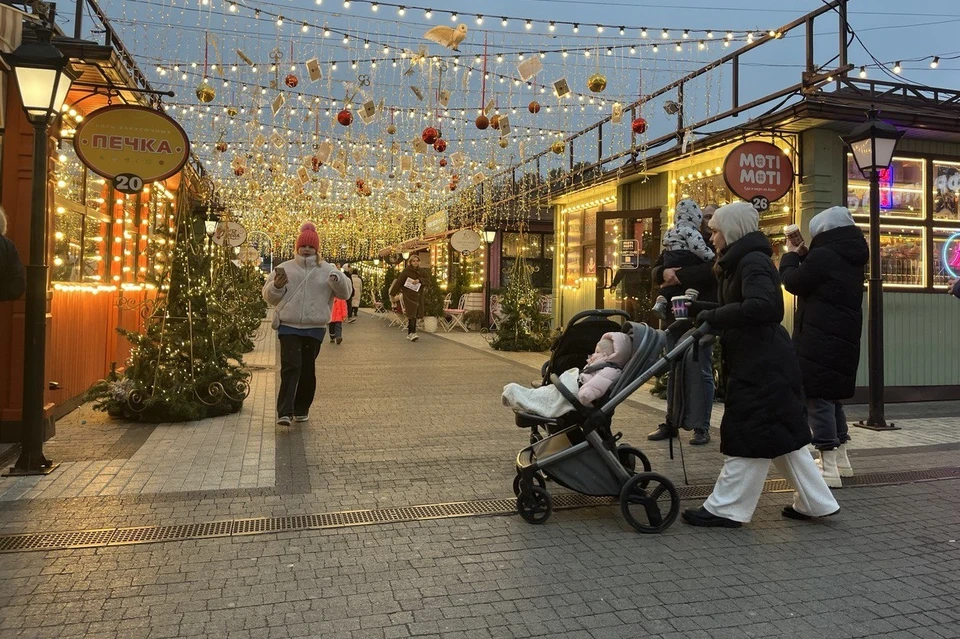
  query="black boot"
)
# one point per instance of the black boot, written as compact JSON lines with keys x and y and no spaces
{"x":700,"y":438}
{"x":703,"y":517}
{"x":664,"y":431}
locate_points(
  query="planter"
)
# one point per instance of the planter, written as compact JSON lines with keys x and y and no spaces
{"x":430,"y":324}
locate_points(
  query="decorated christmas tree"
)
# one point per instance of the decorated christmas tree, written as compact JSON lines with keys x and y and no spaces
{"x":522,"y":326}
{"x":188,"y":363}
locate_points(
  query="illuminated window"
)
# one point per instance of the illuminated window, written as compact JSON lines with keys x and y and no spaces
{"x":901,"y":189}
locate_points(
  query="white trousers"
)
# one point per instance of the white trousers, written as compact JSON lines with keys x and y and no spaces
{"x":740,"y":483}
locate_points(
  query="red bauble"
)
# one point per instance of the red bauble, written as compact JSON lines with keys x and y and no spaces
{"x":345,"y":118}
{"x":534,"y":107}
{"x":239,"y":171}
{"x":315,"y":163}
{"x":495,"y":122}
{"x":482,"y":122}
{"x":440,"y":145}
{"x":430,"y":135}
{"x":452,"y":186}
{"x":360,"y":183}
{"x":443,"y":162}
{"x":639,"y":126}
{"x":291,"y":81}
{"x":221,"y":146}
{"x":340,"y":216}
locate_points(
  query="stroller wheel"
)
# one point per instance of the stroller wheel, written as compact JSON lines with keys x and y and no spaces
{"x":516,"y":483}
{"x":649,"y":502}
{"x":628,"y":456}
{"x":535,"y":505}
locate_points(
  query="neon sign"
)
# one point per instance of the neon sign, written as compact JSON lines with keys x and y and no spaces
{"x":951,"y":264}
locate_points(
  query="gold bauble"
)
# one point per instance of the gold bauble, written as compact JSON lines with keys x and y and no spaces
{"x":597,"y":82}
{"x":205,"y":92}
{"x":492,"y":165}
{"x":391,"y":129}
{"x":503,"y":143}
{"x":232,"y":111}
{"x":557,"y":147}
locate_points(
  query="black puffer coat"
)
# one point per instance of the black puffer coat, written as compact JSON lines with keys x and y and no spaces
{"x":828,"y":283}
{"x":764,"y":414}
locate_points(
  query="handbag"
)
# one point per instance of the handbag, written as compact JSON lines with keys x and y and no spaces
{"x":275,"y":322}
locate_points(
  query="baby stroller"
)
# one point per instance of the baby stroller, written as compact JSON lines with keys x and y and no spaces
{"x":586,"y":456}
{"x":571,"y":350}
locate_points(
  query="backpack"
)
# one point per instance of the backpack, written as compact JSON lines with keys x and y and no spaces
{"x":12,"y":280}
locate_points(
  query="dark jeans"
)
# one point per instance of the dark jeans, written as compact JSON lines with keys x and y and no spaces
{"x":353,"y":311}
{"x":298,"y":374}
{"x":411,"y":325}
{"x":336,"y":330}
{"x":828,"y":423}
{"x":698,"y":386}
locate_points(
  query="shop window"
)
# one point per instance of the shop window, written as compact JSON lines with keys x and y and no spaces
{"x":573,"y":250}
{"x":946,"y":255}
{"x":946,"y":191}
{"x":706,"y":190}
{"x":78,"y":244}
{"x":901,"y":255}
{"x":901,"y":189}
{"x":548,"y":248}
{"x":537,"y":250}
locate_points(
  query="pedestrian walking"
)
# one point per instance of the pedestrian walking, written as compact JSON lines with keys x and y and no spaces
{"x":953,"y":287}
{"x":410,"y":285}
{"x":698,"y":385}
{"x":357,"y":292}
{"x":828,"y":279}
{"x":13,"y":281}
{"x":337,"y":316}
{"x":303,"y":290}
{"x":764,"y":417}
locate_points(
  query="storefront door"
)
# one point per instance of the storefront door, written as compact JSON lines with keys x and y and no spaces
{"x":628,"y":244}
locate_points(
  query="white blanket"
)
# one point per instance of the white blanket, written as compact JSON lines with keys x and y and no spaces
{"x":546,"y":400}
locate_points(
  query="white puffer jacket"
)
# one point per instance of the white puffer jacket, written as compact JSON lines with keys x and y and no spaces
{"x":309,"y":305}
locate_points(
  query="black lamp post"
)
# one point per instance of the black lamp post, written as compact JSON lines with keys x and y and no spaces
{"x":489,"y":236}
{"x":872,"y":144}
{"x":43,"y":78}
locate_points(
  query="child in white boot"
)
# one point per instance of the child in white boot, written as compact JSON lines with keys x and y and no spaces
{"x":603,"y":368}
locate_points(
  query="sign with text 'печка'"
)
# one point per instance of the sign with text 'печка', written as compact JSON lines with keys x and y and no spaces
{"x":131,"y":145}
{"x":758,"y":172}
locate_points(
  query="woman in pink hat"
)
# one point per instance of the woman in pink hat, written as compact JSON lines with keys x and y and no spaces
{"x":303,"y":291}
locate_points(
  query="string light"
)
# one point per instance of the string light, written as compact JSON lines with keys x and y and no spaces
{"x":935,"y":62}
{"x":896,"y":68}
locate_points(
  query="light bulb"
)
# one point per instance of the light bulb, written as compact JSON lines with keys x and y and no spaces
{"x":576,"y":28}
{"x":935,"y":63}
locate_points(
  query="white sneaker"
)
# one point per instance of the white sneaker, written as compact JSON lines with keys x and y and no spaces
{"x":284,"y":420}
{"x":828,"y":468}
{"x":301,"y":418}
{"x":414,"y":337}
{"x":843,"y":462}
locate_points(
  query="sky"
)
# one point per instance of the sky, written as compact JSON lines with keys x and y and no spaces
{"x":174,"y":40}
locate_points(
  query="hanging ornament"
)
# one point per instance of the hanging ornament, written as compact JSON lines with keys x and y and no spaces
{"x":221,"y":146}
{"x":440,"y":145}
{"x":391,"y":129}
{"x":291,"y":81}
{"x":452,"y":186}
{"x":205,"y":92}
{"x":557,"y":147}
{"x":239,"y":171}
{"x":430,"y":135}
{"x":367,"y":191}
{"x":597,"y":82}
{"x":534,"y":107}
{"x":639,"y":126}
{"x":340,"y":216}
{"x":482,"y":122}
{"x":495,"y":122}
{"x":316,"y":163}
{"x":232,"y":111}
{"x":502,"y":142}
{"x":345,"y":118}
{"x":443,"y":162}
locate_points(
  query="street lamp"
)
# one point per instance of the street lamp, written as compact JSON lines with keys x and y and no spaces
{"x":872,"y":144}
{"x":43,"y":78}
{"x":488,"y":238}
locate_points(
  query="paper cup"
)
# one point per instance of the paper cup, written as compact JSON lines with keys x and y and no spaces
{"x":792,"y":231}
{"x":679,"y":305}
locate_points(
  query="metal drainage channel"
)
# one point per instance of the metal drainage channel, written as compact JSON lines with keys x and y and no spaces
{"x":98,"y":538}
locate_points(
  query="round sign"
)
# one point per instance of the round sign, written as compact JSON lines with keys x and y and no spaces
{"x":465,"y":241}
{"x":131,"y":141}
{"x":758,"y":169}
{"x":950,"y":258}
{"x":229,"y":234}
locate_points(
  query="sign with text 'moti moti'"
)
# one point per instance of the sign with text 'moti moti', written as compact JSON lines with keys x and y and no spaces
{"x":131,"y":145}
{"x":758,"y":172}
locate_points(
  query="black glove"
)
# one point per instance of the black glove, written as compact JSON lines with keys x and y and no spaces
{"x":702,"y":317}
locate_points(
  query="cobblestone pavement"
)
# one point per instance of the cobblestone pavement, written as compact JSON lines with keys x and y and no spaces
{"x":398,"y":424}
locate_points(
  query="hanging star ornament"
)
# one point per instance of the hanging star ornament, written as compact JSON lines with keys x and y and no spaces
{"x":447,"y":36}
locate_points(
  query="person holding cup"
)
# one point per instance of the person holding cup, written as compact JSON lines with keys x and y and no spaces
{"x":828,"y":282}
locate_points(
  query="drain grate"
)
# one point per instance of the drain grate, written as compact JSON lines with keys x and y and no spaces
{"x":104,"y":537}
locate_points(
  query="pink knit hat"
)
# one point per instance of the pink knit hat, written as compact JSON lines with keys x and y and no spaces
{"x":308,"y":237}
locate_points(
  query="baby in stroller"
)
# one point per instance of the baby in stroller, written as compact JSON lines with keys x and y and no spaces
{"x":684,"y":246}
{"x":602,"y":370}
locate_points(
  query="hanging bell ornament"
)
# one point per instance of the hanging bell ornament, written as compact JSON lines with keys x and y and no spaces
{"x":502,"y":142}
{"x":557,"y":147}
{"x":345,"y":118}
{"x":597,"y":82}
{"x":495,"y":122}
{"x":440,"y":145}
{"x":534,"y":107}
{"x":430,"y":135}
{"x":639,"y":126}
{"x":291,"y":81}
{"x":482,"y":122}
{"x":232,"y":111}
{"x":391,"y":129}
{"x":205,"y":92}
